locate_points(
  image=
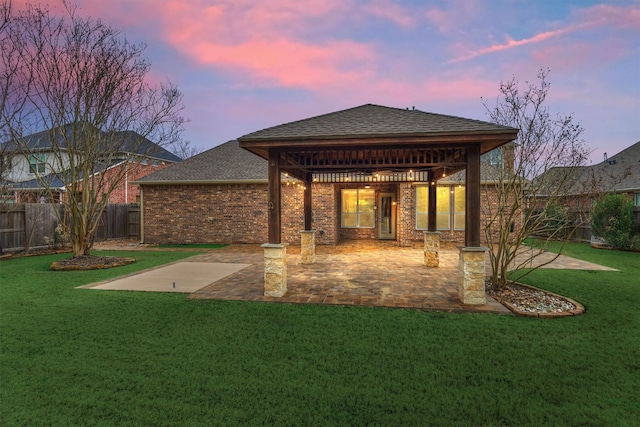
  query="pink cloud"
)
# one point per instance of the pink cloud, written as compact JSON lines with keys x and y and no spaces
{"x":510,"y":44}
{"x":391,"y":12}
{"x":568,"y":57}
{"x":288,"y":63}
{"x":597,"y":16}
{"x":454,"y":18}
{"x":266,"y":44}
{"x":612,"y":16}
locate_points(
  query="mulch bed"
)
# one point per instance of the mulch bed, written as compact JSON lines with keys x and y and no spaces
{"x":90,"y":262}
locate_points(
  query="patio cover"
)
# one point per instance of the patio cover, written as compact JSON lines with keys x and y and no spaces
{"x":373,"y":138}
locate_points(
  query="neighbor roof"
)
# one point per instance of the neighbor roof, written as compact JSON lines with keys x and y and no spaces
{"x":371,"y":120}
{"x":131,"y":143}
{"x":224,"y":163}
{"x":620,"y":173}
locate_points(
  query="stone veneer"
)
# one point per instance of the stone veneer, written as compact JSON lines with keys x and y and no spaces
{"x":275,"y":270}
{"x":308,"y":246}
{"x":471,"y":288}
{"x":431,"y":248}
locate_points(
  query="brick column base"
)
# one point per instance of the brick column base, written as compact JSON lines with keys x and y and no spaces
{"x":308,"y":246}
{"x":432,"y":248}
{"x":472,"y":276}
{"x":275,"y":269}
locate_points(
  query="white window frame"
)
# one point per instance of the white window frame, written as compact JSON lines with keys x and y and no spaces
{"x":39,"y":165}
{"x":451,"y":213}
{"x":358,"y":212}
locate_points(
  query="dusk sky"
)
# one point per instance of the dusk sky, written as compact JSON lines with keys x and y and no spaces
{"x":244,"y":65}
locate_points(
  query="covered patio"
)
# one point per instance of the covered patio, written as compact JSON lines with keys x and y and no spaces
{"x":370,"y":144}
{"x":353,"y":273}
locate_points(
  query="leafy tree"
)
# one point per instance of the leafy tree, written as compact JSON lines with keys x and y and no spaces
{"x":537,"y":171}
{"x":612,"y":220}
{"x":85,"y":84}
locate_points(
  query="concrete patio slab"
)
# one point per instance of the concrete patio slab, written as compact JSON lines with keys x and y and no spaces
{"x":183,"y":277}
{"x":368,"y":273}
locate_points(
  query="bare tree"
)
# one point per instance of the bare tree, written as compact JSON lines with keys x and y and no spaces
{"x":185,"y":149}
{"x":539,"y":169}
{"x":81,"y":87}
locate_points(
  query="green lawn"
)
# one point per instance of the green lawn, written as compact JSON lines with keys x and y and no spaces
{"x":87,"y":357}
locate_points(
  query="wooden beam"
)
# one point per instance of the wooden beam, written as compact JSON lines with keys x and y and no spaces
{"x":308,"y":210}
{"x":273,"y":215}
{"x":472,"y":201}
{"x":431,"y":206}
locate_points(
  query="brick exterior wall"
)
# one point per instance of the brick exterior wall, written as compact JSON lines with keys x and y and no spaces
{"x":232,"y":213}
{"x":237,"y":213}
{"x":125,"y":192}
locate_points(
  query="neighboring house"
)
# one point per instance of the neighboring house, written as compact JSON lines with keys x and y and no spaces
{"x":26,"y":167}
{"x":619,"y":173}
{"x":221,"y":196}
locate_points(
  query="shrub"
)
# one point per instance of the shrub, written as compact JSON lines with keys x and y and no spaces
{"x":612,"y":220}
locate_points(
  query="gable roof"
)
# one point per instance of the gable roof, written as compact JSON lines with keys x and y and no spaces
{"x":371,"y":120}
{"x":225,"y":163}
{"x":130,"y":142}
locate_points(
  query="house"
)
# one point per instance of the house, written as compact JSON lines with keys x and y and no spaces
{"x":619,"y":173}
{"x":576,"y":190}
{"x":222,"y":195}
{"x":44,"y":157}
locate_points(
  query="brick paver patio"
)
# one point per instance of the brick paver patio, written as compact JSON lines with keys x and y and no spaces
{"x":366,"y":273}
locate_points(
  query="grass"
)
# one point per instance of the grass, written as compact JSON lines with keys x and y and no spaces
{"x":87,"y":357}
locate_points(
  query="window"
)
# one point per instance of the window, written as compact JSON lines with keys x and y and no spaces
{"x":458,"y":207}
{"x":5,"y":163}
{"x":450,"y":207}
{"x":636,"y":199}
{"x":358,"y":208}
{"x":422,"y":208}
{"x":37,"y":163}
{"x":443,"y":211}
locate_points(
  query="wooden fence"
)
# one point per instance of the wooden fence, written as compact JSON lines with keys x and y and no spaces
{"x":25,"y":226}
{"x":583,"y":232}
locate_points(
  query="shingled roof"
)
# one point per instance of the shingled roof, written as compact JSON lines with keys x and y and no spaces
{"x":222,"y":164}
{"x":620,"y":173}
{"x":125,"y":142}
{"x":228,"y":163}
{"x":371,"y":120}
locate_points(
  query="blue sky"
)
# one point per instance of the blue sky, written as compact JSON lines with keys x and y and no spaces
{"x":244,"y":65}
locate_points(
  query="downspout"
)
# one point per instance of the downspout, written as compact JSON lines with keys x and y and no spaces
{"x":141,"y":214}
{"x":126,"y":186}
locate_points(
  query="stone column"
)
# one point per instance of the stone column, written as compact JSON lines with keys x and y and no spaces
{"x":308,"y":246}
{"x":472,"y":275}
{"x":275,"y":269}
{"x":432,"y":248}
